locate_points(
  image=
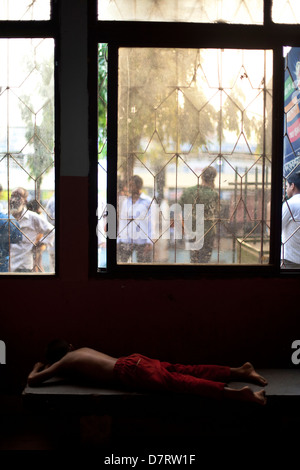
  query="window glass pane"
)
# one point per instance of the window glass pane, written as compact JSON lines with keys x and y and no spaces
{"x":102,"y":153}
{"x":27,"y":155}
{"x":286,"y":11}
{"x":291,"y":169}
{"x":25,"y":10}
{"x":194,"y":156}
{"x":191,"y":11}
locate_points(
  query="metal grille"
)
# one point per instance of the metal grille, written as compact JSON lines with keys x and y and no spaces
{"x":181,"y":112}
{"x":102,"y":153}
{"x":27,"y":154}
{"x":286,"y":11}
{"x":24,"y":10}
{"x":195,"y":11}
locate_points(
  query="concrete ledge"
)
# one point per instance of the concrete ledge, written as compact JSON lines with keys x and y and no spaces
{"x":112,"y":418}
{"x":57,"y":395}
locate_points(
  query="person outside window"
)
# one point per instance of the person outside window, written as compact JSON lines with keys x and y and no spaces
{"x":203,"y":194}
{"x":10,"y":235}
{"x":1,"y":205}
{"x":135,"y":225}
{"x":50,"y":210}
{"x":35,"y":229}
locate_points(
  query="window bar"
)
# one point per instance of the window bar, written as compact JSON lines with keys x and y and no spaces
{"x":277,"y":156}
{"x":112,"y":138}
{"x":264,"y":158}
{"x":219,"y":211}
{"x":267,"y":12}
{"x":256,"y":198}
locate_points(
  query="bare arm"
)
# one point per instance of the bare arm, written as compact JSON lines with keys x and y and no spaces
{"x":40,"y":373}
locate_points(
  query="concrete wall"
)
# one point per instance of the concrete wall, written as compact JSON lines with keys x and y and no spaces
{"x":224,"y":320}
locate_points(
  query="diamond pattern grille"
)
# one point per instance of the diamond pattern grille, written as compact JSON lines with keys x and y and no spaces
{"x":198,"y":11}
{"x":24,"y":10}
{"x":286,"y":11}
{"x":181,"y":111}
{"x":27,"y":146}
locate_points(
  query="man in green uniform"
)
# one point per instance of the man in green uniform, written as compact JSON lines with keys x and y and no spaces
{"x":203,"y":194}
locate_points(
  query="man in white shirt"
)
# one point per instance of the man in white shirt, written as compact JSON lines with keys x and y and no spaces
{"x":291,"y":224}
{"x":135,"y":228}
{"x":50,"y":210}
{"x":35,"y":230}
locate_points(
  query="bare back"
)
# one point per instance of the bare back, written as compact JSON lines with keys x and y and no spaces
{"x":89,"y":364}
{"x":83,"y":364}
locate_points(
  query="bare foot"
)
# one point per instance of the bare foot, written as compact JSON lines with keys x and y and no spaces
{"x":247,"y":373}
{"x":246,"y":394}
{"x":258,"y":397}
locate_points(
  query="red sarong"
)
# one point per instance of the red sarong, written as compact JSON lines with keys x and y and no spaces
{"x":139,"y":372}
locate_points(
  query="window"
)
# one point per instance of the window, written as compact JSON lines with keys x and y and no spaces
{"x":194,"y":127}
{"x":27,"y":182}
{"x":286,"y":11}
{"x":199,"y":95}
{"x":102,"y":154}
{"x":195,"y":11}
{"x":291,"y":164}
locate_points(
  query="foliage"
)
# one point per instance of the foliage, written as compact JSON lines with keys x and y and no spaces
{"x":102,"y":100}
{"x":171,"y":102}
{"x":40,"y":122}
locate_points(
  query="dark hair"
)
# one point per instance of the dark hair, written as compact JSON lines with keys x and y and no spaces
{"x":122,"y":184}
{"x":209,"y":174}
{"x":138,"y":181}
{"x":34,"y":206}
{"x":21,"y":192}
{"x":294,"y":178}
{"x":56,"y":349}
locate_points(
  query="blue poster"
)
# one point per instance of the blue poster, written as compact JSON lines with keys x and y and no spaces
{"x":291,"y":111}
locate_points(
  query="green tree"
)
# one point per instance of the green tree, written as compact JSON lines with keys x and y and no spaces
{"x":102,"y":101}
{"x":160,"y":107}
{"x":40,"y":122}
{"x":168,"y":105}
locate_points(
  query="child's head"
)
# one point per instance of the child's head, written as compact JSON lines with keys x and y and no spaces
{"x":56,"y":349}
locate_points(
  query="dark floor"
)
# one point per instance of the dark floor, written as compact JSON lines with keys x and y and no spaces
{"x":167,"y":423}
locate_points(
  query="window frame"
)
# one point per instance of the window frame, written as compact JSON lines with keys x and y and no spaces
{"x":185,"y":35}
{"x":11,"y":29}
